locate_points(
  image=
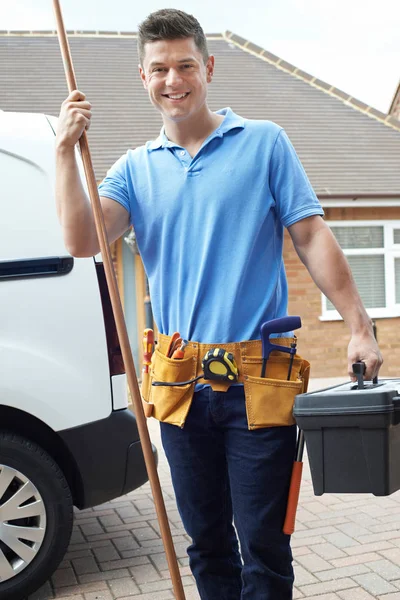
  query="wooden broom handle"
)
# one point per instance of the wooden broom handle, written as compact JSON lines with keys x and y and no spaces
{"x":120,"y":324}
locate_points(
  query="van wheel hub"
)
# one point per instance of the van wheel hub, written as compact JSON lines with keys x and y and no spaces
{"x":22,"y":522}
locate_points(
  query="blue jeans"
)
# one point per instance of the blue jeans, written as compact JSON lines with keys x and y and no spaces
{"x":223,"y":472}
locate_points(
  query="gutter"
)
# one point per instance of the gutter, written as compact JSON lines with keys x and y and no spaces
{"x":358,"y":200}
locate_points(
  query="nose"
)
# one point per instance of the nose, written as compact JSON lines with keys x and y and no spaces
{"x":173,"y":78}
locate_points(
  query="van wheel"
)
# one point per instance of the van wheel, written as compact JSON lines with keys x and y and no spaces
{"x":35,"y":516}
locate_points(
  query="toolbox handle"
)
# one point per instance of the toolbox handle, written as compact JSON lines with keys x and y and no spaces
{"x":359,"y":369}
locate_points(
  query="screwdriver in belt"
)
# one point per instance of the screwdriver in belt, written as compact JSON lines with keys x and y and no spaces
{"x":148,"y":343}
{"x":179,"y":353}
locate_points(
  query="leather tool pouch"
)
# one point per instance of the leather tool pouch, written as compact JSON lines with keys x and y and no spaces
{"x":169,"y":403}
{"x":269,"y":400}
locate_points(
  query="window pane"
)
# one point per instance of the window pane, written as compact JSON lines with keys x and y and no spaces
{"x":396,"y":236}
{"x":397,"y":278}
{"x":369,"y":275}
{"x":359,"y":237}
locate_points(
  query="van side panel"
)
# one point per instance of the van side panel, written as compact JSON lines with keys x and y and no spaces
{"x":53,"y":352}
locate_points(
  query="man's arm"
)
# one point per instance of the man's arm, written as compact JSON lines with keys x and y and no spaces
{"x":73,"y":206}
{"x":321,"y":254}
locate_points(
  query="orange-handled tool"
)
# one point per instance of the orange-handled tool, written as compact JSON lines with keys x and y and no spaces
{"x":179,"y":353}
{"x":294,"y":489}
{"x":148,"y":344}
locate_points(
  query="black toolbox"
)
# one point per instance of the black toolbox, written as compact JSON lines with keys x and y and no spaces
{"x":352,"y":437}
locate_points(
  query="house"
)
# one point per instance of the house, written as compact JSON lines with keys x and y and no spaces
{"x":350,"y":152}
{"x":394,"y":109}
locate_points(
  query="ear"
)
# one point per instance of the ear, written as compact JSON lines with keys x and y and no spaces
{"x":143,"y":77}
{"x":210,"y":64}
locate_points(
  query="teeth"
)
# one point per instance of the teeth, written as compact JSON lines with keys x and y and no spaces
{"x":177,"y":96}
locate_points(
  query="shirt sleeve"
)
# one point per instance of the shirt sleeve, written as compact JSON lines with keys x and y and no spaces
{"x":294,"y":196}
{"x":115,"y":184}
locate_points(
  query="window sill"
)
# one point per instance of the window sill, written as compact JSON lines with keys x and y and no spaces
{"x":376,"y":313}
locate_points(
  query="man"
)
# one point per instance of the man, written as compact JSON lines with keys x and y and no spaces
{"x":208,"y":200}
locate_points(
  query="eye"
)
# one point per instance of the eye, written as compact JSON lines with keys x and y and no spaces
{"x":158,"y":69}
{"x":187,"y":66}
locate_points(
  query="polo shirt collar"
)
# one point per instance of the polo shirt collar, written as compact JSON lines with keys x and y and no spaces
{"x":231,"y":121}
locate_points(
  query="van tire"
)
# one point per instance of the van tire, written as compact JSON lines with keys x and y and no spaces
{"x":36,"y":465}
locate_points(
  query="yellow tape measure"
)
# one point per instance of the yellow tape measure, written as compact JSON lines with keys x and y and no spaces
{"x":220,"y":365}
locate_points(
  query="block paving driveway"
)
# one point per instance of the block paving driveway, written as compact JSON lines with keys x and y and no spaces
{"x":346,"y":547}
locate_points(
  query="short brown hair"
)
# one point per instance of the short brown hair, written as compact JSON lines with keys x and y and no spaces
{"x":171,"y":24}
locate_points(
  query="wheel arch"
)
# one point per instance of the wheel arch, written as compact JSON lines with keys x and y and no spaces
{"x":20,"y":422}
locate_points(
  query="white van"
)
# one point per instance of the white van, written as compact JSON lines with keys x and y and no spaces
{"x":67,"y":435}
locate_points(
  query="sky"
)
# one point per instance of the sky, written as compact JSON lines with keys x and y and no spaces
{"x":351,"y":44}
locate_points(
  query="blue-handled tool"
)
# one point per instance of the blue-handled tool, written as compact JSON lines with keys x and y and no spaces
{"x":281,"y":325}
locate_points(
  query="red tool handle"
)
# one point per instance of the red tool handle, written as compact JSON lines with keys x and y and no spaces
{"x":293,"y":498}
{"x":294,"y":489}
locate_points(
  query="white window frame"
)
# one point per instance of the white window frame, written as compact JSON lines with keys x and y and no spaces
{"x":390,"y":251}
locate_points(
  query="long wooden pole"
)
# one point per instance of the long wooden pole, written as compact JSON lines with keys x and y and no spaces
{"x":120,"y":324}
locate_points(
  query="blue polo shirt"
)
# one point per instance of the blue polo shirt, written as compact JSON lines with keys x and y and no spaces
{"x":210,"y":228}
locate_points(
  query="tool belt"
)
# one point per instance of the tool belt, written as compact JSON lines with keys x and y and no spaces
{"x":269,"y":400}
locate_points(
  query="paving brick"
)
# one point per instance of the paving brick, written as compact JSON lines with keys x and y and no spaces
{"x":312,"y":531}
{"x":191,"y":593}
{"x":102,"y":595}
{"x":74,"y":597}
{"x":393,"y":555}
{"x":124,"y":563}
{"x":92,"y":529}
{"x":300,"y":551}
{"x":145,"y":573}
{"x":323,"y":597}
{"x":313,"y":563}
{"x":357,"y":559}
{"x":328,"y":551}
{"x":328,"y":586}
{"x":126,"y":543}
{"x":85,"y":565}
{"x":110,"y":520}
{"x":164,"y":595}
{"x":144,"y":534}
{"x":103,"y":575}
{"x":374,"y":584}
{"x":106,"y":553}
{"x":341,"y":540}
{"x":123,"y":587}
{"x":160,"y":561}
{"x":364,"y":548}
{"x":347,"y":571}
{"x":63,"y":577}
{"x":385,"y":569}
{"x":303,"y":577}
{"x":127,"y":511}
{"x":97,"y":587}
{"x":355,"y":594}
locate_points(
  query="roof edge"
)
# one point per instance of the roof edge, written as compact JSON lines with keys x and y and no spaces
{"x":395,"y":101}
{"x":279,"y":63}
{"x":86,"y":33}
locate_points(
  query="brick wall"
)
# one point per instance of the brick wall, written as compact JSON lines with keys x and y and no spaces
{"x":324,"y":343}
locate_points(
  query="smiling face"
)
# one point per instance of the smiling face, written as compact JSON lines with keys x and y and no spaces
{"x":176,"y":78}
